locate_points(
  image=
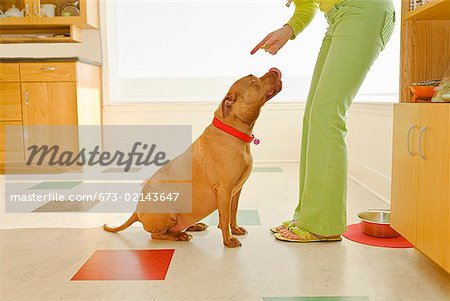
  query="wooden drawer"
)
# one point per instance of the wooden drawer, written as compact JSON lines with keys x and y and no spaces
{"x":12,"y":143}
{"x":10,"y":104}
{"x":48,"y":72}
{"x":9,"y":72}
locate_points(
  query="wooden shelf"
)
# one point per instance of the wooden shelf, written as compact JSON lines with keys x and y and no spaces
{"x":425,"y":44}
{"x":435,"y":10}
{"x":424,"y":102}
{"x":39,"y":34}
{"x":36,"y":40}
{"x":27,"y":29}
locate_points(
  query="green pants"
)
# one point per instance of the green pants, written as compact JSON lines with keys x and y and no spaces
{"x":358,"y":31}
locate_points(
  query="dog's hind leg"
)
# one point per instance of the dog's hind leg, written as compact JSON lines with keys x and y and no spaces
{"x":178,"y":236}
{"x":197,"y":227}
{"x":160,"y":225}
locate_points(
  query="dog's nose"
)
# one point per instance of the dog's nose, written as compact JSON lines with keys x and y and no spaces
{"x":278,"y":72}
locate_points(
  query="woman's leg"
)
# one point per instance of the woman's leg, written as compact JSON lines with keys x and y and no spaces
{"x":359,"y":30}
{"x":305,"y":129}
{"x":326,"y":42}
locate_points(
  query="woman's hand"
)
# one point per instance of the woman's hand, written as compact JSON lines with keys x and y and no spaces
{"x":274,"y":41}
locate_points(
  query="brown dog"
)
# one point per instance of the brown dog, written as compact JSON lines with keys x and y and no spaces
{"x":221,"y":162}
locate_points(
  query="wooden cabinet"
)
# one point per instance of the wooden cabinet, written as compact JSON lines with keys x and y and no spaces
{"x":31,"y":9}
{"x":405,"y":170}
{"x":425,"y":44}
{"x":420,"y":199}
{"x":26,"y":8}
{"x":48,"y":72}
{"x":50,"y":103}
{"x":9,"y":72}
{"x":33,"y":22}
{"x":421,"y":178}
{"x":10,"y":102}
{"x":433,"y":219}
{"x":46,"y":93}
{"x":88,"y":17}
{"x":47,"y":103}
{"x":11,"y":133}
{"x":11,"y":143}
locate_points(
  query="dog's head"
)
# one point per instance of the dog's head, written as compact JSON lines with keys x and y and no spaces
{"x":246,"y":97}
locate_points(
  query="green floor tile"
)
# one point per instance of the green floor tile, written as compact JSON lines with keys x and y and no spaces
{"x":67,"y":206}
{"x":245,"y":218}
{"x":318,"y":298}
{"x":267,"y":169}
{"x":57,"y":185}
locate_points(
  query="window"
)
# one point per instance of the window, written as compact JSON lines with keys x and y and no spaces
{"x":192,"y":51}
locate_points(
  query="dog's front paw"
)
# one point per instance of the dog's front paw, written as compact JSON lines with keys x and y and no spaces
{"x":238,"y":230}
{"x":232,"y":243}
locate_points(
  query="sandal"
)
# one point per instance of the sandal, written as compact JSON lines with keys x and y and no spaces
{"x":285,"y":224}
{"x":305,"y":236}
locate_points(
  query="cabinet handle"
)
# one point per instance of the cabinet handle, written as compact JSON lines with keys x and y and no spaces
{"x":27,"y":98}
{"x":36,"y":11}
{"x":48,"y":68}
{"x":421,"y":151}
{"x":408,"y":139}
{"x":27,"y":9}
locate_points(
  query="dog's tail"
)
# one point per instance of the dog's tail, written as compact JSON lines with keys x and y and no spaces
{"x":129,"y":222}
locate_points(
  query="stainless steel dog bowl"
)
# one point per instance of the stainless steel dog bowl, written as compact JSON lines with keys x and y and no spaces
{"x":377,"y":223}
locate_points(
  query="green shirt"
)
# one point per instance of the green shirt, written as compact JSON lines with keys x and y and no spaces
{"x":305,"y":11}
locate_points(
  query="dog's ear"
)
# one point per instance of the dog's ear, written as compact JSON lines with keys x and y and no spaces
{"x":227,"y":103}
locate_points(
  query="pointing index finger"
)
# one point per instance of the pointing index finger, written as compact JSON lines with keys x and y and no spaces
{"x":259,"y":45}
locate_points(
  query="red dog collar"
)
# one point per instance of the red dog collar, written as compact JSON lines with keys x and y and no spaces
{"x":234,"y":132}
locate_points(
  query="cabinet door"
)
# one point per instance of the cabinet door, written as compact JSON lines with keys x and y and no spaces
{"x":11,"y":142}
{"x":10,"y":105}
{"x":47,"y":107}
{"x":405,"y":167}
{"x":433,"y":220}
{"x":66,"y":19}
{"x":25,"y":7}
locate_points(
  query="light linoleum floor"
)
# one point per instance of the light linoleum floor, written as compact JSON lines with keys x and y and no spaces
{"x":40,"y":253}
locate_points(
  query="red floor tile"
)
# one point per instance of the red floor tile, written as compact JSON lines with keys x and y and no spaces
{"x":126,"y":265}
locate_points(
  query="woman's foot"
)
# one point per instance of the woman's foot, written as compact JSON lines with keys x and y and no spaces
{"x":285,"y":225}
{"x":294,"y":233}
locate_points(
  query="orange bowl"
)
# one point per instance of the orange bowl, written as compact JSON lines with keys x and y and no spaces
{"x":422,"y":92}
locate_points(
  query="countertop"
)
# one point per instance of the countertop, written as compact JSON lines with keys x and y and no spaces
{"x":48,"y":59}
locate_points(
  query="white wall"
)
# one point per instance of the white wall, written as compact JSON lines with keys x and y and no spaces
{"x":279,"y":128}
{"x":370,"y":128}
{"x":89,"y":48}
